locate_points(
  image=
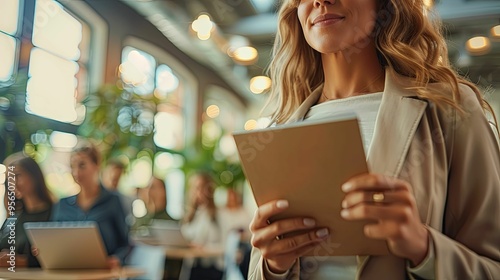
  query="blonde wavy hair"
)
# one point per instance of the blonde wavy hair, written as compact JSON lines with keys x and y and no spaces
{"x":407,"y":40}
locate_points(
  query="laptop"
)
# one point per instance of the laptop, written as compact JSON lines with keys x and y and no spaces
{"x":168,"y":233}
{"x":67,"y":245}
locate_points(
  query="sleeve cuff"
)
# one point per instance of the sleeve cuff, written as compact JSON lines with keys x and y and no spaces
{"x":268,"y":274}
{"x":426,"y":269}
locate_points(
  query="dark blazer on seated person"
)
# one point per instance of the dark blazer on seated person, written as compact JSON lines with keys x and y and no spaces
{"x":108,"y":212}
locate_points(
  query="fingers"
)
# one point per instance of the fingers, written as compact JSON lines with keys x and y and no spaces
{"x":377,"y":212}
{"x":374,"y":182}
{"x":265,"y":212}
{"x":370,"y":197}
{"x":295,"y":245}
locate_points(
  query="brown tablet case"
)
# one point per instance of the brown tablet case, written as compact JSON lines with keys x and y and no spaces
{"x":306,"y":163}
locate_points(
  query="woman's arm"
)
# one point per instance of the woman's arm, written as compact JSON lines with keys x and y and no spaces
{"x":470,"y":245}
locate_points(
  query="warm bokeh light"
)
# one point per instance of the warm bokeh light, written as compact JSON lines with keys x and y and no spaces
{"x":227,"y":146}
{"x":139,"y":209}
{"x":7,"y":57}
{"x":260,"y":84}
{"x":250,"y":124}
{"x":166,"y":81}
{"x":164,"y":161}
{"x":9,"y":16}
{"x":429,"y":4}
{"x":56,"y":30}
{"x":141,"y":171}
{"x":495,"y":32}
{"x":63,"y":141}
{"x":138,"y":70}
{"x":245,"y":54}
{"x":478,"y":45}
{"x":168,"y":130}
{"x":135,"y":69}
{"x":213,"y":111}
{"x":51,"y":88}
{"x":203,"y":27}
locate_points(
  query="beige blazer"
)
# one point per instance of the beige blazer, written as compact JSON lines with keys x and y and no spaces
{"x":453,"y":165}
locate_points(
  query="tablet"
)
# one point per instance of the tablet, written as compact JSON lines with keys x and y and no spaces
{"x":306,"y":163}
{"x":67,"y":245}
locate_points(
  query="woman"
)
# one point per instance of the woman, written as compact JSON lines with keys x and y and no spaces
{"x":33,"y":204}
{"x":434,"y":161}
{"x":200,"y":223}
{"x":202,"y":227}
{"x":95,"y":203}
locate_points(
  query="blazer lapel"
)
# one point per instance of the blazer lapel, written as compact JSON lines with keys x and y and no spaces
{"x":301,"y":112}
{"x":397,"y":120}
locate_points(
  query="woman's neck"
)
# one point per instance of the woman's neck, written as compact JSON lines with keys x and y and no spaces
{"x":352,"y":72}
{"x":90,"y":191}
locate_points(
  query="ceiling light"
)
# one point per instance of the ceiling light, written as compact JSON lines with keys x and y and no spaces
{"x":203,"y":27}
{"x":245,"y":54}
{"x":213,"y":111}
{"x":495,"y":32}
{"x":478,"y":45}
{"x":259,"y":84}
{"x":250,"y":124}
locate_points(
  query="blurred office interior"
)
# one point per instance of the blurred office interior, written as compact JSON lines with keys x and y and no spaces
{"x":162,"y":84}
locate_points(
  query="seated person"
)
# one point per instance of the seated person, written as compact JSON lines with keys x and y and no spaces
{"x":32,"y":203}
{"x":154,"y":197}
{"x":157,"y":202}
{"x":95,"y":203}
{"x":111,"y":176}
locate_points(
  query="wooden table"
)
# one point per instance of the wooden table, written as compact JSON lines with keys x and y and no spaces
{"x":74,"y":274}
{"x":174,"y":252}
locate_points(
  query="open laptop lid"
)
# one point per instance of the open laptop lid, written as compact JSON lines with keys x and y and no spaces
{"x":168,"y":233}
{"x":67,"y":245}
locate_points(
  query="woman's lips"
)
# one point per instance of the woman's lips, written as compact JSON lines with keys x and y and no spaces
{"x":327,"y":19}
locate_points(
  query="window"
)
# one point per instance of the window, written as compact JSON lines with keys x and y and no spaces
{"x":57,"y":67}
{"x":9,"y":43}
{"x":141,"y":75}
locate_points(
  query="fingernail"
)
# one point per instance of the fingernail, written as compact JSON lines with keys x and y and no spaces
{"x":344,"y":213}
{"x":282,"y":204}
{"x":322,"y":232}
{"x":309,"y":222}
{"x":346,"y":187}
{"x":344,"y":204}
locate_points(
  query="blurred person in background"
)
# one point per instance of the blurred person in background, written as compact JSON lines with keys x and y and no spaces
{"x":201,"y":226}
{"x":95,"y":203}
{"x":33,"y":204}
{"x":111,"y":176}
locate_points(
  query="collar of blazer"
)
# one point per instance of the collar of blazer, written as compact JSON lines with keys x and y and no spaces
{"x":397,"y":120}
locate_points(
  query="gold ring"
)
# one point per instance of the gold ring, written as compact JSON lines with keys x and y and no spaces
{"x":378,"y":197}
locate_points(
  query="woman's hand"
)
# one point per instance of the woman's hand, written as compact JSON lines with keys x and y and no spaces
{"x":280,"y":253}
{"x":389,"y":201}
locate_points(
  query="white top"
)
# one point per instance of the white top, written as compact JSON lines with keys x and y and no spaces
{"x":365,"y":106}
